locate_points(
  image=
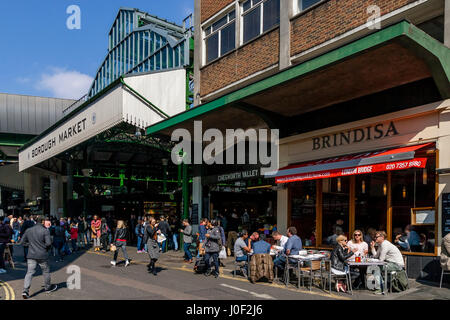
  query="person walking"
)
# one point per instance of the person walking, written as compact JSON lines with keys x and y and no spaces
{"x":96,"y":233}
{"x":59,"y":238}
{"x":15,"y":224}
{"x":120,"y":241}
{"x":27,"y":223}
{"x":104,"y":234}
{"x":165,"y":230}
{"x":139,"y":231}
{"x":82,"y":227}
{"x":74,"y":236}
{"x":187,"y":239}
{"x":212,"y":247}
{"x":202,"y":235}
{"x":150,"y":238}
{"x":5,"y":237}
{"x":38,"y":239}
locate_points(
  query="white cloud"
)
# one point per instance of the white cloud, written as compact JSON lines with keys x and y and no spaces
{"x":64,"y":83}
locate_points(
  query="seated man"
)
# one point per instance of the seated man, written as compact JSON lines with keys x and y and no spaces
{"x":241,"y":248}
{"x":292,"y":247}
{"x":387,"y":252}
{"x":261,"y":246}
{"x":280,"y":238}
{"x":254,"y":238}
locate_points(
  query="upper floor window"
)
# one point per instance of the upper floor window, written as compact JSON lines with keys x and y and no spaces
{"x":220,"y":37}
{"x":305,"y":4}
{"x":258,"y":16}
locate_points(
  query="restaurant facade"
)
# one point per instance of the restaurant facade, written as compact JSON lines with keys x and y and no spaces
{"x":362,"y":111}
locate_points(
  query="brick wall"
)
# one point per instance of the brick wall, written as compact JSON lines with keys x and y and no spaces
{"x":211,"y":7}
{"x":249,"y":59}
{"x":334,"y":18}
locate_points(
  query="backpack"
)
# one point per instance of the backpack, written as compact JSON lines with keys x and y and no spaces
{"x":399,"y":281}
{"x":200,"y":266}
{"x":373,"y":278}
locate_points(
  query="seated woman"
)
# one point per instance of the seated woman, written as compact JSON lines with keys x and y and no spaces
{"x":360,"y":249}
{"x":339,"y":255}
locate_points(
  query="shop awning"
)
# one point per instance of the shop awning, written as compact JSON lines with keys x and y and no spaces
{"x":363,"y":163}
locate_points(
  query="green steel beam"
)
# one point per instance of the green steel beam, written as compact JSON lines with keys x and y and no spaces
{"x":119,"y":178}
{"x":378,"y":38}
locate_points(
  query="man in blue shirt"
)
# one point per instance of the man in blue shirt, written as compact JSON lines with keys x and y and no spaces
{"x":261,"y":246}
{"x":292,"y":247}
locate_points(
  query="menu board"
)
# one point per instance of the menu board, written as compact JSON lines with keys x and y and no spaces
{"x":445,"y":214}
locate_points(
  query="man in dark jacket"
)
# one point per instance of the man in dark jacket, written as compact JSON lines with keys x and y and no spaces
{"x":28,"y":223}
{"x":165,"y":230}
{"x":39,"y":242}
{"x":5,"y":238}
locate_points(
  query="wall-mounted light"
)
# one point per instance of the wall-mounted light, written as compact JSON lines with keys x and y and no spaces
{"x":307,"y":197}
{"x":363,"y":187}
{"x":404,"y":192}
{"x":425,"y":176}
{"x":384,"y":189}
{"x":339,"y":185}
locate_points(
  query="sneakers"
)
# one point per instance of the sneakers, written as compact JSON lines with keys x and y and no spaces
{"x":378,"y":292}
{"x":244,"y":272}
{"x":127,"y":262}
{"x":25,"y":295}
{"x":52,"y":288}
{"x":113,"y":263}
{"x":2,"y":271}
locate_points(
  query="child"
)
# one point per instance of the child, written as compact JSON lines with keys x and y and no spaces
{"x":74,"y":236}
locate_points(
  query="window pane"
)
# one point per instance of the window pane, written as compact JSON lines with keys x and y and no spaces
{"x":170,"y":60}
{"x":247,"y":5}
{"x":227,"y":41}
{"x":335,"y":208}
{"x":208,"y":31}
{"x":164,"y":58}
{"x":232,"y":15}
{"x":219,"y":23}
{"x":212,"y":47}
{"x":305,"y":4}
{"x":182,"y":54}
{"x":177,"y":56}
{"x":146,"y":44}
{"x":152,"y":63}
{"x":255,"y":2}
{"x":303,"y":211}
{"x":252,"y":24}
{"x":271,"y":14}
{"x":158,"y":61}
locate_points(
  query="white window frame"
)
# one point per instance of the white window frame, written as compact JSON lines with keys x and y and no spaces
{"x":252,"y":8}
{"x":219,"y":31}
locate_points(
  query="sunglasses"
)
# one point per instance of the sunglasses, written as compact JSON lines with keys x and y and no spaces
{"x":357,"y":235}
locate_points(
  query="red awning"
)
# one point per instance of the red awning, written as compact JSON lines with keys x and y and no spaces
{"x":363,"y":163}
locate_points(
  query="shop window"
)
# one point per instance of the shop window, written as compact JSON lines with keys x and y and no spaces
{"x":259,"y":16}
{"x":335,"y":208}
{"x":413,"y":191}
{"x":303,"y":211}
{"x":220,"y":37}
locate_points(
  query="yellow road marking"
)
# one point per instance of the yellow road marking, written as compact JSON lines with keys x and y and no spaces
{"x":5,"y":288}
{"x":11,"y":290}
{"x":222,"y":275}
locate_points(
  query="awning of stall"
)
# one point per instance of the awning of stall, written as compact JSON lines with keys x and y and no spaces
{"x":392,"y":57}
{"x":362,"y":163}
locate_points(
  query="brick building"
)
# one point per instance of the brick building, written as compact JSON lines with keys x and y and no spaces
{"x":359,"y":92}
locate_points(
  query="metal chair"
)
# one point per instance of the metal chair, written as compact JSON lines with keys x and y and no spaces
{"x":331,"y":276}
{"x":287,"y":267}
{"x":442,"y":276}
{"x":393,"y":274}
{"x":239,"y":264}
{"x":310,"y":272}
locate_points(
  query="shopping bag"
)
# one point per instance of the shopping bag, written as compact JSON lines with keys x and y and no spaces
{"x":161,"y":238}
{"x":223,"y":253}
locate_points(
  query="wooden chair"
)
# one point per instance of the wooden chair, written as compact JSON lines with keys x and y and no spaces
{"x":309,"y":272}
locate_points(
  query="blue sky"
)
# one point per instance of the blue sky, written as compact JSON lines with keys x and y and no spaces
{"x":40,"y":56}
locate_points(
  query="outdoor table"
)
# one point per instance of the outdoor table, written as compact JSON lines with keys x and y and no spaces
{"x":371,"y":263}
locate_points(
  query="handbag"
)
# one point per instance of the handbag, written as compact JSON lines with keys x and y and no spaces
{"x":223,"y":253}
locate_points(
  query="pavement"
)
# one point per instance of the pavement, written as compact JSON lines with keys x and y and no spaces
{"x":99,"y":280}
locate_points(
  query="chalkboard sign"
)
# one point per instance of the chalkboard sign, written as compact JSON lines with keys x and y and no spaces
{"x":194,"y":216}
{"x":445,"y":214}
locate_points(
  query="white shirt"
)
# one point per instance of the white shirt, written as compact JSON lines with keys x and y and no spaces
{"x":358,"y":246}
{"x":283,"y":241}
{"x":389,"y":253}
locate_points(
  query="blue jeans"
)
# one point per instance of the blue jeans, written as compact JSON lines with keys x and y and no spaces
{"x":215,"y":256}
{"x":187,"y":252}
{"x":58,"y":247}
{"x":175,"y":241}
{"x":139,"y":243}
{"x":16,"y":235}
{"x":163,"y":245}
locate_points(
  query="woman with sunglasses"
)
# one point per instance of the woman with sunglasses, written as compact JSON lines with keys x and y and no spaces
{"x":357,"y":244}
{"x":339,"y":256}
